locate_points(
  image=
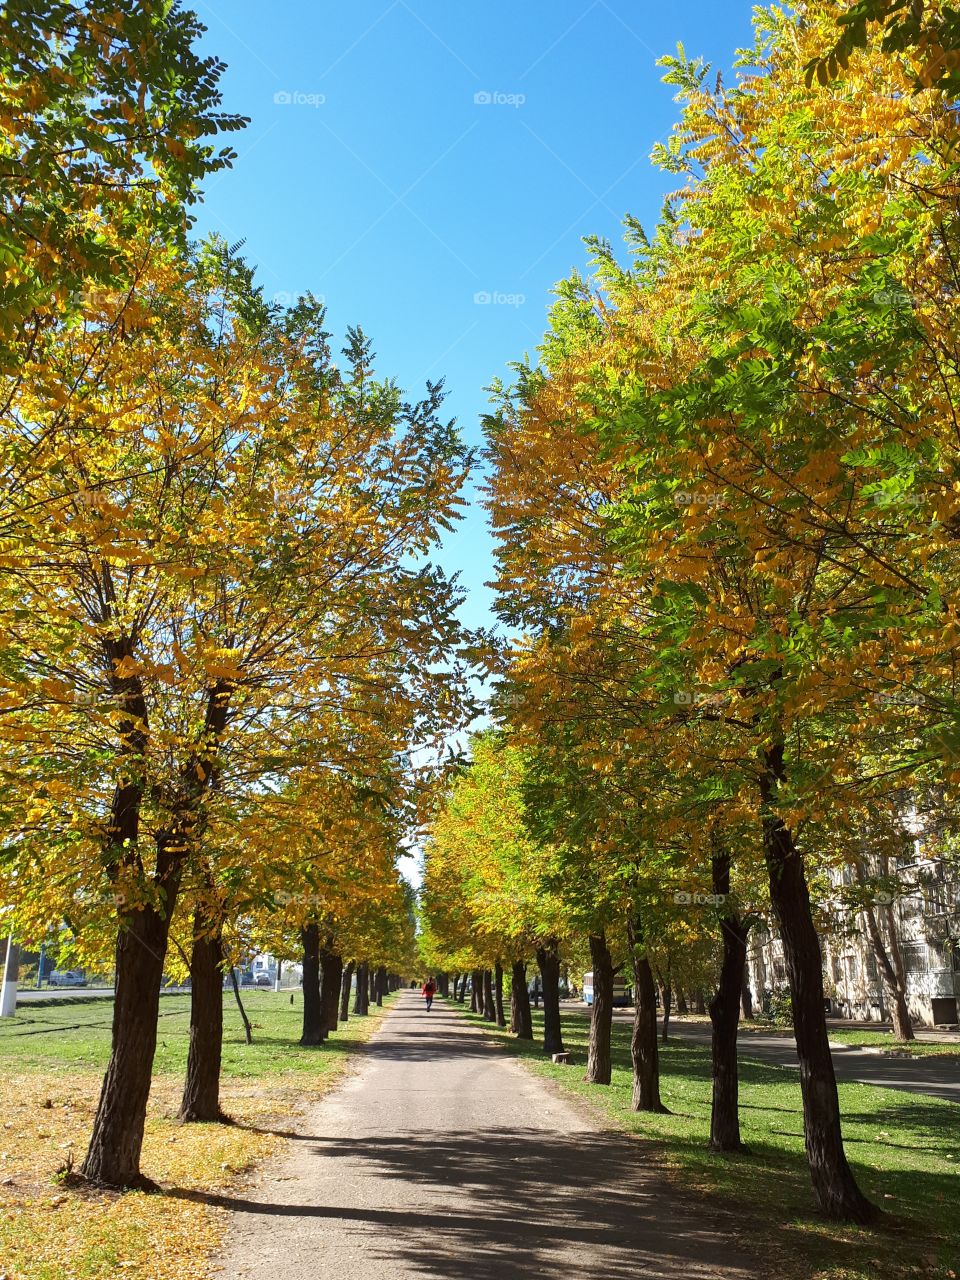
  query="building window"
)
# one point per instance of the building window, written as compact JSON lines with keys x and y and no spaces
{"x":915,"y":958}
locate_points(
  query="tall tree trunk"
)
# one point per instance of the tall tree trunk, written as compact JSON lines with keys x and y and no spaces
{"x":835,"y":1188}
{"x":476,"y":991}
{"x":201,"y":1091}
{"x":666,"y":1003}
{"x":725,"y":1016}
{"x":548,"y":959}
{"x":313,"y":1026}
{"x":381,"y":985}
{"x":113,"y":1157}
{"x":372,"y":986}
{"x":601,"y":1015}
{"x":498,"y":994}
{"x":331,"y":973}
{"x":489,"y":1012}
{"x":699,"y":1001}
{"x":345,"y":992}
{"x":890,"y":963}
{"x":462,"y":997}
{"x":521,"y":1020}
{"x":681,"y":1002}
{"x":360,"y":1000}
{"x":643,"y":1042}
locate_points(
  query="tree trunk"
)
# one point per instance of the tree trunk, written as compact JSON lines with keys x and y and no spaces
{"x":331,"y":974}
{"x":381,"y":985}
{"x":724,"y":1018}
{"x":113,"y":1157}
{"x":521,"y":1021}
{"x":371,"y":987}
{"x":498,"y":995}
{"x":345,"y":992}
{"x":666,"y":1003}
{"x":681,"y":1002}
{"x":476,"y":991}
{"x":489,"y":1012}
{"x":894,"y":988}
{"x":643,"y":1042}
{"x":360,"y":1000}
{"x":548,"y":959}
{"x":700,"y":1004}
{"x":313,"y":1026}
{"x":201,"y":1092}
{"x":462,"y":997}
{"x":601,"y":1016}
{"x":247,"y":1029}
{"x":890,"y":964}
{"x":834,"y":1185}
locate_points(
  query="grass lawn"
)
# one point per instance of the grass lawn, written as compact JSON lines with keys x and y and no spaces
{"x":52,"y":1058}
{"x":903,"y":1147}
{"x":885,"y":1040}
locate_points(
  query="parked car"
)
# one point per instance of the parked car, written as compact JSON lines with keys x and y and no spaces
{"x":262,"y":978}
{"x":67,"y":978}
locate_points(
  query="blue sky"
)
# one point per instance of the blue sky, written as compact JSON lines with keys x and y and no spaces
{"x":430,"y":168}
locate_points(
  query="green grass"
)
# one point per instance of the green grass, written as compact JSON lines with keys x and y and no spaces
{"x":885,"y":1040}
{"x":904,"y":1149}
{"x":76,"y":1034}
{"x":52,"y":1058}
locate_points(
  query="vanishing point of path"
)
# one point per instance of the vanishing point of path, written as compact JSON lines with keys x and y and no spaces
{"x":443,"y":1158}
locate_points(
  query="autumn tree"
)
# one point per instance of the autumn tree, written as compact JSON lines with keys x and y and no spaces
{"x":238,"y":556}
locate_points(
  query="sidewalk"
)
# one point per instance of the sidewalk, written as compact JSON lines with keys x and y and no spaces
{"x":444,"y":1158}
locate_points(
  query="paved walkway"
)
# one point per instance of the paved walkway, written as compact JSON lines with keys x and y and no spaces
{"x":443,"y":1158}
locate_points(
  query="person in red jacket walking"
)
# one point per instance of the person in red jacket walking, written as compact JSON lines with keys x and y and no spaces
{"x":429,"y":990}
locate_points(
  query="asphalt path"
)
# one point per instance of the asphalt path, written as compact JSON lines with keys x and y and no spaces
{"x":442,"y":1157}
{"x":938,"y":1077}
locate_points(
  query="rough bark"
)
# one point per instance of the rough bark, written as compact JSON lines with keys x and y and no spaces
{"x":835,"y":1188}
{"x":313,"y":1027}
{"x":201,"y":1091}
{"x":725,"y":1017}
{"x":476,"y":991}
{"x":666,"y":1004}
{"x":548,"y":960}
{"x":682,"y":1006}
{"x":644,"y":1052}
{"x":489,"y":1012}
{"x":113,"y":1157}
{"x":521,"y":1020}
{"x":601,"y":1014}
{"x":345,"y":992}
{"x":360,"y":1005}
{"x":498,"y":994}
{"x":372,"y":986}
{"x":331,"y":974}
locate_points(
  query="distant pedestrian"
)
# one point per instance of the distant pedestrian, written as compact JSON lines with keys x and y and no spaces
{"x":429,"y":991}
